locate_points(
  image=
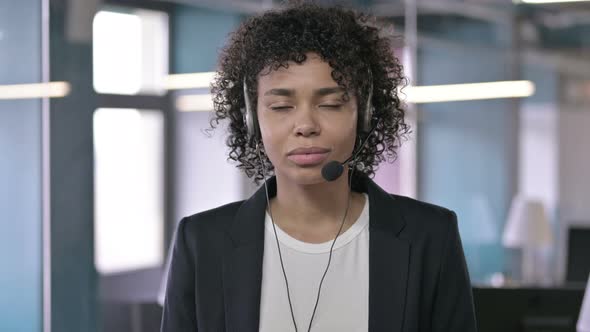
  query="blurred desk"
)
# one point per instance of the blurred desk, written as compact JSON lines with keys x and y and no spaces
{"x":528,"y":309}
{"x":128,"y":301}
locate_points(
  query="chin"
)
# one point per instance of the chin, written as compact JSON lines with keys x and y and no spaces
{"x":304,"y":175}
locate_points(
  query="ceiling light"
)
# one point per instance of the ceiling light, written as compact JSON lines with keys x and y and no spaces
{"x":188,"y":81}
{"x":546,"y":1}
{"x":36,"y":90}
{"x":469,"y":91}
{"x":196,"y":103}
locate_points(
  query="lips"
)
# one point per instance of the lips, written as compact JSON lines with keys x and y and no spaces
{"x":308,"y":156}
{"x":310,"y":150}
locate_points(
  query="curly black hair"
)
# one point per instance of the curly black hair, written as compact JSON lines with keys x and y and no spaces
{"x":350,"y":42}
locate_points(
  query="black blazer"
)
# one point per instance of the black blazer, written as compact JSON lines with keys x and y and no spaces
{"x":418,"y":279}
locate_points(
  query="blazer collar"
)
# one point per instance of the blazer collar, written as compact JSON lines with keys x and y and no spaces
{"x":384,"y":211}
{"x":388,"y":259}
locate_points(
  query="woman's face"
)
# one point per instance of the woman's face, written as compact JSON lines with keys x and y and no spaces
{"x":304,"y":120}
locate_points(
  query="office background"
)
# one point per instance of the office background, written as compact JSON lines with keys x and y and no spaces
{"x":119,"y":142}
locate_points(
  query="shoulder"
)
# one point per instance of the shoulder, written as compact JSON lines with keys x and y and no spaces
{"x":415,"y":208}
{"x":210,"y":221}
{"x":426,"y":220}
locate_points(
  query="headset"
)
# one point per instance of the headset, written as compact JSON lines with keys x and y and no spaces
{"x":330,"y":172}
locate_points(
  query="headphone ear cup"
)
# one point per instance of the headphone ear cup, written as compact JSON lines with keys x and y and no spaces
{"x":250,"y":118}
{"x":252,"y":123}
{"x":366,"y":118}
{"x":367,"y":115}
{"x":247,"y":121}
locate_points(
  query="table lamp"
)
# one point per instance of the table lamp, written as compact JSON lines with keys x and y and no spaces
{"x":584,"y":319}
{"x":527,"y":228}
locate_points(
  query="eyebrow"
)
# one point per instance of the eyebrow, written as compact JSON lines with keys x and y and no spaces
{"x":290,"y":92}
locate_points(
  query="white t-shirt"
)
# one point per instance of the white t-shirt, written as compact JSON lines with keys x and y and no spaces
{"x":344,"y":300}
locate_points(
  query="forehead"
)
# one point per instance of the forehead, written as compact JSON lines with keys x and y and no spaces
{"x":311,"y":73}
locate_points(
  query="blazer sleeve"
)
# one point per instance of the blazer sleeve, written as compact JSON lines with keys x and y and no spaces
{"x":179,"y":304}
{"x":453,"y":305}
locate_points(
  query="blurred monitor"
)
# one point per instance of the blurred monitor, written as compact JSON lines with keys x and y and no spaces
{"x":578,"y":255}
{"x":527,"y":309}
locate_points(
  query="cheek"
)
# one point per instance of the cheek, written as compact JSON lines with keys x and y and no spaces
{"x":348,"y":123}
{"x":349,"y":136}
{"x":273,"y":128}
{"x":344,"y":128}
{"x":268,"y":132}
{"x":271,"y":141}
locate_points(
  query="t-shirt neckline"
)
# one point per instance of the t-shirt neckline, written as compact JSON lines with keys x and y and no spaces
{"x":324,"y":247}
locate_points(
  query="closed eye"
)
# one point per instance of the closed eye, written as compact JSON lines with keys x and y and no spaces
{"x":280,"y":108}
{"x":334,"y":106}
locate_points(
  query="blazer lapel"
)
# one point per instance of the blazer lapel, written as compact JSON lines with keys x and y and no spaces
{"x":242,"y":266}
{"x":388,"y":262}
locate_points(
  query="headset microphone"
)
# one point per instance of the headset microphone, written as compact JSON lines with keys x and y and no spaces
{"x":332,"y":170}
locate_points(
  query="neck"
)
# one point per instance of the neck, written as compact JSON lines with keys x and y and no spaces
{"x":312,"y":205}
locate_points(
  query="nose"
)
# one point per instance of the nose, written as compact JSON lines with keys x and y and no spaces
{"x":306,"y":124}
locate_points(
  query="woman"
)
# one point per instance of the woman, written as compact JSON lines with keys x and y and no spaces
{"x":319,"y":247}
